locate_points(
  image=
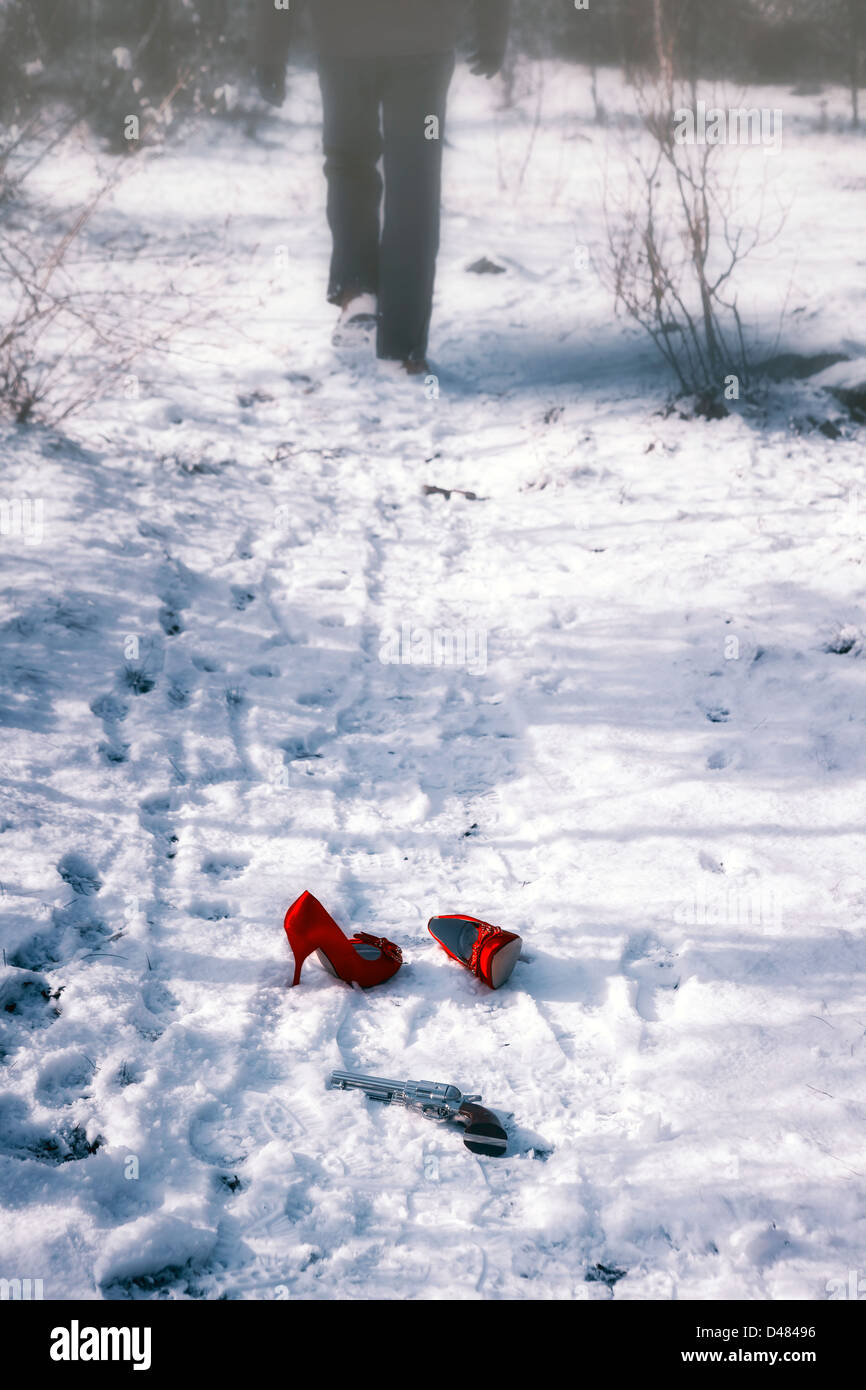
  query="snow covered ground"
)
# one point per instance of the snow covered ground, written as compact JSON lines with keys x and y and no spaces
{"x":649,"y":762}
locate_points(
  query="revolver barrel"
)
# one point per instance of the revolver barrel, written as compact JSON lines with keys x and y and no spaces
{"x":373,"y":1085}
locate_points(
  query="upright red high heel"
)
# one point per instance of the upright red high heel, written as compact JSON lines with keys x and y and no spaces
{"x":489,"y":952}
{"x":362,"y":959}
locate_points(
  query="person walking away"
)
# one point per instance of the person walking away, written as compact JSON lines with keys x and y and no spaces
{"x":384,"y":69}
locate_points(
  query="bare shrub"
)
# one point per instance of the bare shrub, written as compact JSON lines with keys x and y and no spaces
{"x":72,"y":320}
{"x":679,"y":227}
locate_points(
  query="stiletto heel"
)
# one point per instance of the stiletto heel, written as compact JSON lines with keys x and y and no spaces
{"x":299,"y":960}
{"x":362,"y":959}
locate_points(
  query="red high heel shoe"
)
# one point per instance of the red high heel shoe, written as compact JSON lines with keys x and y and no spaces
{"x":489,"y":952}
{"x":362,"y":959}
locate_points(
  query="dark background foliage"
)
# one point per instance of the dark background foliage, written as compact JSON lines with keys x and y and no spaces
{"x":63,"y":49}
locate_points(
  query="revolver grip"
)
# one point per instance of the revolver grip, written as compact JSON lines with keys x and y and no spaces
{"x":483,"y":1134}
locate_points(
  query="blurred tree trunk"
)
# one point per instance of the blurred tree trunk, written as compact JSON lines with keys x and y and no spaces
{"x":58,"y":22}
{"x":856,"y":31}
{"x":632,"y":36}
{"x":156,"y":29}
{"x":214,"y":16}
{"x":663,"y":43}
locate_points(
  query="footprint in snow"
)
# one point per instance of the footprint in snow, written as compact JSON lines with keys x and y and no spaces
{"x":299,"y":749}
{"x":242,"y":597}
{"x":29,"y":1002}
{"x":158,"y":998}
{"x":717,"y":714}
{"x":244,"y":547}
{"x":604,"y":1274}
{"x":40,"y":952}
{"x":205,"y":662}
{"x":316,"y":698}
{"x":225,"y":1134}
{"x":81,"y":876}
{"x":114,"y":752}
{"x":170,"y":621}
{"x":210,"y":911}
{"x":74,"y":612}
{"x":718,"y":760}
{"x":651,"y":964}
{"x":22,"y":1138}
{"x":78,"y":928}
{"x":224,"y":866}
{"x":64,"y":1079}
{"x":112,"y":712}
{"x":109,"y":709}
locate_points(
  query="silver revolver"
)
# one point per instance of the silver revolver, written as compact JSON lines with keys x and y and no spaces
{"x":482,"y":1133}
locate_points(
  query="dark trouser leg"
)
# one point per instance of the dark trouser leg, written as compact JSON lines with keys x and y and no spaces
{"x":353,"y":144}
{"x":413,"y":90}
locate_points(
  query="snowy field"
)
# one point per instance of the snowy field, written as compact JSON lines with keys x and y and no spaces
{"x":650,"y":763}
